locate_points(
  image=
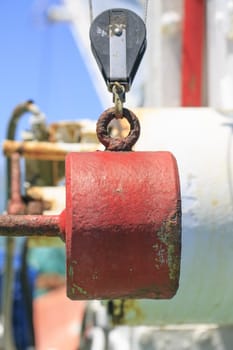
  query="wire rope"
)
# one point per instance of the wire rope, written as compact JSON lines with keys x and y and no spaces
{"x":145,"y":5}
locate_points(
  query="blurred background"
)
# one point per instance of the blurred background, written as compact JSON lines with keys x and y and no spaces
{"x":46,"y":57}
{"x":40,"y":61}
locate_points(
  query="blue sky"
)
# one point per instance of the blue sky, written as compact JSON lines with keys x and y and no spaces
{"x":40,"y":61}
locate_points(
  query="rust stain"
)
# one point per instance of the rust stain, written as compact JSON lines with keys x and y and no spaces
{"x":117,"y":143}
{"x":30,"y":225}
{"x":170,"y":237}
{"x":16,"y":204}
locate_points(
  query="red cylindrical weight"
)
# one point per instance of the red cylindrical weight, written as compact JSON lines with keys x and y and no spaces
{"x":122,"y":224}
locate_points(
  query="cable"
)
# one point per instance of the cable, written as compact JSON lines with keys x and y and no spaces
{"x":146,"y":5}
{"x":91,"y":10}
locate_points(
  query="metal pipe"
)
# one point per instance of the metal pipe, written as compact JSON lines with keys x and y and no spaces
{"x":6,"y":302}
{"x":56,"y":151}
{"x":15,"y":206}
{"x":30,"y":225}
{"x":17,"y":113}
{"x":15,"y":175}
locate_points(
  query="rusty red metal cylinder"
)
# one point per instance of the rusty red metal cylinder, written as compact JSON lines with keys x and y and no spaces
{"x":122,"y":225}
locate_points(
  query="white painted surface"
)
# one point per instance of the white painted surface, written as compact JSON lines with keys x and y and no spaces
{"x":201,"y":337}
{"x":200,"y":316}
{"x":201,"y":140}
{"x":162,"y":71}
{"x":220,"y":54}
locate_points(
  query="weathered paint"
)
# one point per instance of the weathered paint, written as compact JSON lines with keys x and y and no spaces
{"x":117,"y":143}
{"x":167,"y":236}
{"x":122,"y":219}
{"x":30,"y":225}
{"x":120,"y":207}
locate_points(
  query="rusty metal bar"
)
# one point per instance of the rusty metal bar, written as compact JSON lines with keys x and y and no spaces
{"x":15,"y":178}
{"x":16,"y":206}
{"x":30,"y":225}
{"x":7,"y":295}
{"x":45,"y":150}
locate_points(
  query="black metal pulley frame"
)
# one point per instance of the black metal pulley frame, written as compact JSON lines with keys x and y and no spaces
{"x":118,"y":42}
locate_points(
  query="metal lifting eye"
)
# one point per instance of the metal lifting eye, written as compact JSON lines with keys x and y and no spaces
{"x":117,"y":143}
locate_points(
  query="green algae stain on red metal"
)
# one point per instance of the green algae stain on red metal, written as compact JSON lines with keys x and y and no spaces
{"x":75,"y":288}
{"x":170,"y":235}
{"x":79,"y":289}
{"x":71,"y":271}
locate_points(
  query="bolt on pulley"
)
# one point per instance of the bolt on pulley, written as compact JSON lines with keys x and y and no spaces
{"x":118,"y":42}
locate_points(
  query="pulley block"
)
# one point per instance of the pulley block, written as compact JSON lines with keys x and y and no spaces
{"x":118,"y":42}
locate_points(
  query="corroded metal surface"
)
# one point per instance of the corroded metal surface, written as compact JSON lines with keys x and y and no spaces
{"x":117,"y":143}
{"x":15,"y":205}
{"x":122,"y":225}
{"x":167,"y":236}
{"x":30,"y":225}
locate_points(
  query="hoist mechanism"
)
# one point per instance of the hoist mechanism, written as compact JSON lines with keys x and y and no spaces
{"x":122,"y":221}
{"x":118,"y":42}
